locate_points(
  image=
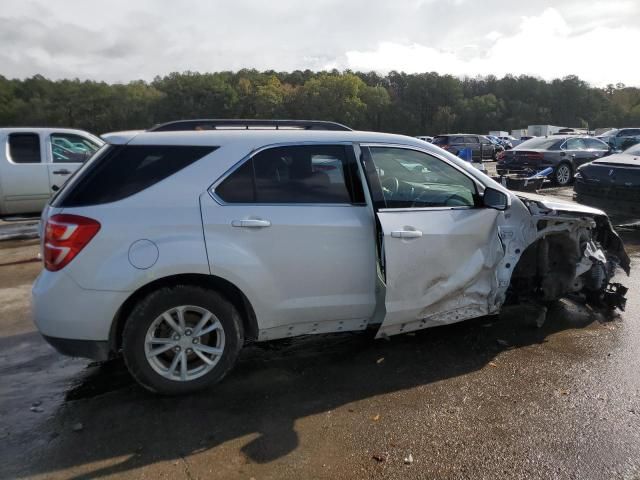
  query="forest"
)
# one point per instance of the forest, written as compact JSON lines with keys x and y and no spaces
{"x":413,"y":104}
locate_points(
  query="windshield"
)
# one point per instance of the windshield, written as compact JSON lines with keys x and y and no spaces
{"x":635,"y":150}
{"x":608,"y":133}
{"x":538,"y":143}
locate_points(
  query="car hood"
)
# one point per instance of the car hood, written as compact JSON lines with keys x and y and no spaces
{"x":619,"y":159}
{"x":557,"y":204}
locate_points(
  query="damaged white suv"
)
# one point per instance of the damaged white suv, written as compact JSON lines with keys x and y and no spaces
{"x":177,"y":247}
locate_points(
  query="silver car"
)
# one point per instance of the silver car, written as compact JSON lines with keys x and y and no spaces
{"x":175,"y":248}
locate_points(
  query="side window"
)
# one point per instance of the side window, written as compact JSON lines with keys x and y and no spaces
{"x":24,"y":148}
{"x":295,"y":174}
{"x":412,"y":179}
{"x":575,"y":144}
{"x":473,"y":140}
{"x":70,"y":148}
{"x":594,"y":144}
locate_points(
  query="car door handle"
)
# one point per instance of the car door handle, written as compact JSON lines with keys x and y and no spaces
{"x":61,"y":172}
{"x":406,"y":233}
{"x":251,"y":223}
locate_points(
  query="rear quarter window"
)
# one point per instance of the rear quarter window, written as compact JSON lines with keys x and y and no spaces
{"x":124,"y":170}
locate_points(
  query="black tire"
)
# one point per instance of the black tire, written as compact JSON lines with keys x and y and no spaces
{"x":155,"y":304}
{"x":559,"y":178}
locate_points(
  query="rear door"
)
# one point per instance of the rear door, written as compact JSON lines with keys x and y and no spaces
{"x":66,"y":152}
{"x":289,"y":226}
{"x":25,"y":179}
{"x":474,"y":144}
{"x":439,"y":248}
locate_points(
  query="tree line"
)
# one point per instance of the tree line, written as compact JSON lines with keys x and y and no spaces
{"x":413,"y":104}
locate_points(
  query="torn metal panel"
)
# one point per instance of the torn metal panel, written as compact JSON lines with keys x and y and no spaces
{"x":469,"y":263}
{"x":445,"y":275}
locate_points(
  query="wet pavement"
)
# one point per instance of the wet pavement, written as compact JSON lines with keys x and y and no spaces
{"x":489,"y":398}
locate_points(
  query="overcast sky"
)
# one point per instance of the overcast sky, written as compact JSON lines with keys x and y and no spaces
{"x":122,"y":40}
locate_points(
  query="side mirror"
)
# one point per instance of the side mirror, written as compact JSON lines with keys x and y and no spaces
{"x":495,"y":199}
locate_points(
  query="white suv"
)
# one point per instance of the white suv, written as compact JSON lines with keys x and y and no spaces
{"x":175,"y":248}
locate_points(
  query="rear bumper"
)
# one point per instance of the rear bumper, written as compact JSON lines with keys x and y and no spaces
{"x":92,"y":349}
{"x":64,"y":311}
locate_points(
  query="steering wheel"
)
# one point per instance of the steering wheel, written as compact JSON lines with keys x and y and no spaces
{"x":392,"y":184}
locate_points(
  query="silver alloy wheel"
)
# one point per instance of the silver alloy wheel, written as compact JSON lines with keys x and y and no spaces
{"x":184,"y":343}
{"x":563,"y":174}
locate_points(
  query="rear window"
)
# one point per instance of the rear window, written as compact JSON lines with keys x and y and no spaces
{"x":541,"y":143}
{"x":124,"y":170}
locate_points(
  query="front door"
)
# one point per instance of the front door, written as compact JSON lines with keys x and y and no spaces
{"x":67,"y":152}
{"x":439,"y":247}
{"x":291,"y":229}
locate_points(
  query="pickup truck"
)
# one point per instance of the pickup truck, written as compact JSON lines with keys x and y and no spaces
{"x":36,"y":162}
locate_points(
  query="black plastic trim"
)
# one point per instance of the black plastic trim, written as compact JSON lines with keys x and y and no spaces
{"x":214,"y":124}
{"x":93,"y":349}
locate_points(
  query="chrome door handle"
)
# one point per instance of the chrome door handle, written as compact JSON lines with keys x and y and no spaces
{"x":61,"y":172}
{"x":406,"y":233}
{"x":251,"y":223}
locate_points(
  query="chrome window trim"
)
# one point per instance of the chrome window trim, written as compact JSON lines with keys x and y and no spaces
{"x":256,"y":151}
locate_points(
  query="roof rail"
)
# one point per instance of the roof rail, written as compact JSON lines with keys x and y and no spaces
{"x":215,"y":124}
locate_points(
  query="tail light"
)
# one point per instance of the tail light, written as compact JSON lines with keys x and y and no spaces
{"x":64,"y":237}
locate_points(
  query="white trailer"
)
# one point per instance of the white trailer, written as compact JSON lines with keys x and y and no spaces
{"x":542,"y":130}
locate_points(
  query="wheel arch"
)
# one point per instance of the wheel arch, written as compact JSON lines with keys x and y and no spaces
{"x":222,"y":286}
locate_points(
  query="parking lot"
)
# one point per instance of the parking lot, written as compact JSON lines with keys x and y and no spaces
{"x":488,"y":398}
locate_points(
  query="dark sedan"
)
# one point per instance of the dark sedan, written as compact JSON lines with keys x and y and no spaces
{"x":564,"y":154}
{"x":612,"y":183}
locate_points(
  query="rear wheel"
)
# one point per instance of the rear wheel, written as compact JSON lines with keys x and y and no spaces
{"x":563,"y":174}
{"x":181,"y":339}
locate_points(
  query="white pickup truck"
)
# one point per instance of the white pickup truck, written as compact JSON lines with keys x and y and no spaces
{"x":36,"y":162}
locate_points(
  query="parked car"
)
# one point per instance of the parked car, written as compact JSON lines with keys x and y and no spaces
{"x":35,"y":163}
{"x":505,"y":144}
{"x":564,"y":154}
{"x":425,"y":138}
{"x":482,"y":148}
{"x":175,"y":248}
{"x":612,"y":182}
{"x":621,"y":139}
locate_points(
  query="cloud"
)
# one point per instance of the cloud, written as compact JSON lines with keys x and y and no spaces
{"x":545,"y":45}
{"x":145,"y":38}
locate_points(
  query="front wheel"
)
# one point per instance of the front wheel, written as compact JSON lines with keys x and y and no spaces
{"x":563,"y":174}
{"x":181,"y":339}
